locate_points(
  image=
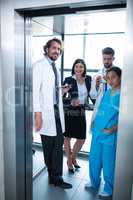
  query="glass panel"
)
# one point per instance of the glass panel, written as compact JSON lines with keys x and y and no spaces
{"x":95,"y":22}
{"x":84,"y":46}
{"x":73,"y":49}
{"x":95,"y":44}
{"x":42,"y":25}
{"x":91,"y":74}
{"x":66,"y":74}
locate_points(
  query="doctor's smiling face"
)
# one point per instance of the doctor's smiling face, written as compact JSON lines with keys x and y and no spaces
{"x":108,"y":57}
{"x":108,"y":60}
{"x":53,"y":49}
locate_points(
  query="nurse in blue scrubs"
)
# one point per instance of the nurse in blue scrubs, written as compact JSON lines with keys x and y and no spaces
{"x":104,"y":137}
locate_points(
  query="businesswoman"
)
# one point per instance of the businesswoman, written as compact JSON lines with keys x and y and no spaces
{"x":74,"y":108}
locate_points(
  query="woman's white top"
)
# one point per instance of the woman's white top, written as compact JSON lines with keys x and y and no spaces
{"x":82,"y":93}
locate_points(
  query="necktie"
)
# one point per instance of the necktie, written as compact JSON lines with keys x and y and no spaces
{"x":105,"y":86}
{"x":56,"y":82}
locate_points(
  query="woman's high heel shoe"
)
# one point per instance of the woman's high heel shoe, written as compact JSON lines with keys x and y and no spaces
{"x":75,"y":164}
{"x":71,"y":170}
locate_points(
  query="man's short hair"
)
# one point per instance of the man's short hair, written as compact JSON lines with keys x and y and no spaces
{"x":49,"y":43}
{"x":108,"y":51}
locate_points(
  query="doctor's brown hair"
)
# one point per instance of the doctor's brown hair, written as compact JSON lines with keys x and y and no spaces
{"x":49,"y":43}
{"x":108,"y":51}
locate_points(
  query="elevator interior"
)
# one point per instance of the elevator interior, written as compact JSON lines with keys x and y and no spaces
{"x":88,"y":32}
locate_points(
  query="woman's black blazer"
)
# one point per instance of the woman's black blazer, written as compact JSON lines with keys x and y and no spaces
{"x":73,"y":92}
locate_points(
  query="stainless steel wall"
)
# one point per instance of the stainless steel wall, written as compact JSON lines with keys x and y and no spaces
{"x":1,"y":145}
{"x":1,"y":136}
{"x":17,"y":164}
{"x":8,"y":94}
{"x":124,"y":164}
{"x":132,"y":192}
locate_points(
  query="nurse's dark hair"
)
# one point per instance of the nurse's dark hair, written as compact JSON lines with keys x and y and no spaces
{"x":108,"y":51}
{"x":49,"y":43}
{"x":117,"y":70}
{"x":79,"y":61}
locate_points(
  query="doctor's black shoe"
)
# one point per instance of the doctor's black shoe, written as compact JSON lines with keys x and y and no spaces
{"x":63,"y":184}
{"x":50,"y":180}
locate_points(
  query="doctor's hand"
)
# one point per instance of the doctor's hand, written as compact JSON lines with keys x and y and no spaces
{"x":38,"y":121}
{"x":98,"y":80}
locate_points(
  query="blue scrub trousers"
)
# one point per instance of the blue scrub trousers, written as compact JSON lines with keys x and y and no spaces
{"x":102,"y":156}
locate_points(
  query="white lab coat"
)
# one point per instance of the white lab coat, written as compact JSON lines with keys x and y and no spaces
{"x":97,"y":94}
{"x":43,"y":93}
{"x":93,"y":92}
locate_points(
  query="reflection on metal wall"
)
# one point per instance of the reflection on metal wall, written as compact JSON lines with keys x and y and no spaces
{"x":1,"y":142}
{"x":8,"y":95}
{"x":132,"y":192}
{"x":124,"y":164}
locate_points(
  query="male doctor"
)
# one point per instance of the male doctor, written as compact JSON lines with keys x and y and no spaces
{"x":48,"y":111}
{"x":99,"y":84}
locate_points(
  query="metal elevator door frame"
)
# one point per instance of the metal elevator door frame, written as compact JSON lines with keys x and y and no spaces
{"x":23,"y":109}
{"x":28,"y":108}
{"x":28,"y":111}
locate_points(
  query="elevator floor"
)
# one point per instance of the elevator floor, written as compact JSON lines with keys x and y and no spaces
{"x":43,"y":191}
{"x":38,"y":162}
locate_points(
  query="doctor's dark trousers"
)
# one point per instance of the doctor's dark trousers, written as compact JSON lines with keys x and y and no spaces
{"x":53,"y":149}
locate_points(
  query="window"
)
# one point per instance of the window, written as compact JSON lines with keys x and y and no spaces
{"x":73,"y":48}
{"x":85,"y":35}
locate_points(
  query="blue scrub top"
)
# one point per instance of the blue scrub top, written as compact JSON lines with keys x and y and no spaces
{"x":106,"y":117}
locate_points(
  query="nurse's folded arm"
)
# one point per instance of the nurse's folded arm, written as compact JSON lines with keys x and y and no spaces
{"x":110,"y":130}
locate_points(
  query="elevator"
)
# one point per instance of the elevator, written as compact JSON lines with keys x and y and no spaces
{"x":16,"y":82}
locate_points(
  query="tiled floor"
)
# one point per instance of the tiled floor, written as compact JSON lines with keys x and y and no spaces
{"x":43,"y":191}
